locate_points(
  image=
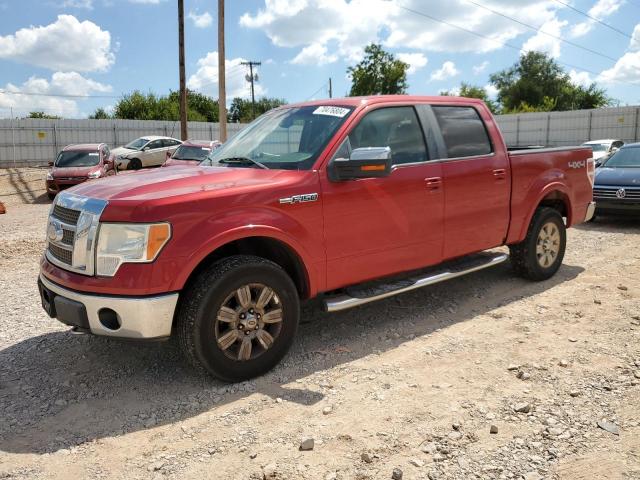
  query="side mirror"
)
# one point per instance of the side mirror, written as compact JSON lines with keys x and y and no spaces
{"x":598,"y":163}
{"x":145,"y":149}
{"x":370,"y":162}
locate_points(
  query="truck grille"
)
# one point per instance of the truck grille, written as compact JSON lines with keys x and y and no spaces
{"x":630,"y":193}
{"x":71,"y":232}
{"x":66,"y":215}
{"x":62,"y":254}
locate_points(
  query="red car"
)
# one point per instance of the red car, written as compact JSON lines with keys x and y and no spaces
{"x":346,"y":200}
{"x":191,"y":152}
{"x":78,"y":163}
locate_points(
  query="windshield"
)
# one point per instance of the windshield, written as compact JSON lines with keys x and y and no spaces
{"x":597,"y":147}
{"x":77,"y":159}
{"x":191,"y":153}
{"x":137,"y":144}
{"x":286,"y":138}
{"x":624,"y":158}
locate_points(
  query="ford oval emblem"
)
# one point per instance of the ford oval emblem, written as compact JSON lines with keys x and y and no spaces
{"x":55,"y":232}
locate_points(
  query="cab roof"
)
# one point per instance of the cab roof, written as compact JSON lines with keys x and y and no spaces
{"x":377,"y":99}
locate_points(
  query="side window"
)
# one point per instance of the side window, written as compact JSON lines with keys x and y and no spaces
{"x":617,"y":144}
{"x":463,"y":131}
{"x":394,"y":127}
{"x":155,"y":144}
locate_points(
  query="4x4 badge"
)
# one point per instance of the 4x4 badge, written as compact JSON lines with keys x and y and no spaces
{"x":305,"y":197}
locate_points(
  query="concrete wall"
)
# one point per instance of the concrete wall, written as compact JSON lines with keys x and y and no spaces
{"x":571,"y":128}
{"x":29,"y":142}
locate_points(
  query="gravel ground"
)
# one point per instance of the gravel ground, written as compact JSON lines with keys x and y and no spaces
{"x":412,"y":387}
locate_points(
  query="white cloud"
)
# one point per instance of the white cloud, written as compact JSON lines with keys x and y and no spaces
{"x":314,"y":54}
{"x":201,"y":21}
{"x":478,"y":69}
{"x":447,"y":70}
{"x":67,"y":44}
{"x":206,"y":78}
{"x":32,"y":94}
{"x":543,"y":41}
{"x":147,"y":2}
{"x":580,"y":78}
{"x":492,"y":92}
{"x":453,"y":91}
{"x":416,"y":61}
{"x":634,"y":44}
{"x":600,"y":10}
{"x":345,"y":27}
{"x":626,"y":69}
{"x":88,"y":4}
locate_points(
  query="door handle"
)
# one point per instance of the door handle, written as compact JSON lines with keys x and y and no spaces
{"x":500,"y":173}
{"x":433,"y":183}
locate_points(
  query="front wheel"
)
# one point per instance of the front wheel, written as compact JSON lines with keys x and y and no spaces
{"x":135,"y":164}
{"x":239,"y":318}
{"x":539,"y":255}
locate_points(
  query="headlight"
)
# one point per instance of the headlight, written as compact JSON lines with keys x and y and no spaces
{"x":95,"y":174}
{"x":120,"y":243}
{"x":49,"y":176}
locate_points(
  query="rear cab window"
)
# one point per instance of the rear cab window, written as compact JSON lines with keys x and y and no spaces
{"x":463,"y":131}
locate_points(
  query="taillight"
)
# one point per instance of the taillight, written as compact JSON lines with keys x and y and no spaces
{"x":591,"y":170}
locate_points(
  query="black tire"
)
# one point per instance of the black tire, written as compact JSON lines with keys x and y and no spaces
{"x":51,"y":196}
{"x":196,"y":321}
{"x":135,"y":164}
{"x":524,"y":256}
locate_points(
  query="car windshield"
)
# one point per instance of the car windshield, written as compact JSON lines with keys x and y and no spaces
{"x":137,"y":144}
{"x":287,"y":138}
{"x":624,"y":158}
{"x":185,"y":152}
{"x":77,"y":159}
{"x":597,"y":147}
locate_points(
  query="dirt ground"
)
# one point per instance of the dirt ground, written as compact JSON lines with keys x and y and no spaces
{"x":415,"y":383}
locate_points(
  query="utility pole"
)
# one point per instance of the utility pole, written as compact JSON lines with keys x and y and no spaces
{"x":183,"y":81}
{"x":330,"y":89}
{"x":222,"y":89}
{"x":252,"y":78}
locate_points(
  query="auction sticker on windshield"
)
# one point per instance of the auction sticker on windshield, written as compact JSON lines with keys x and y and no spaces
{"x":333,"y":111}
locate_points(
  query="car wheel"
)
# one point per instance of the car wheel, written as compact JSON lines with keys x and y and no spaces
{"x":238,"y":318}
{"x":539,"y":255}
{"x":135,"y":164}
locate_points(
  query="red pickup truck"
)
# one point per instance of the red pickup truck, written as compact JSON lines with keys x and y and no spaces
{"x":349,"y":200}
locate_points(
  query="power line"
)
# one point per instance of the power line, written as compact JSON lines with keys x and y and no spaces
{"x":539,"y":30}
{"x":38,"y":94}
{"x":486,"y":37}
{"x":595,"y":19}
{"x":317,"y":91}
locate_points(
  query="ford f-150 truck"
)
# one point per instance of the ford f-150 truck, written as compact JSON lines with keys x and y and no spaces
{"x":343,"y":200}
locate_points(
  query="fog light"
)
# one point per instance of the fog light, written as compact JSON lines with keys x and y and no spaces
{"x":109,"y":319}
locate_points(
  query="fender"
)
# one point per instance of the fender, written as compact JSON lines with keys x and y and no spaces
{"x":247,"y":231}
{"x":535,"y":195}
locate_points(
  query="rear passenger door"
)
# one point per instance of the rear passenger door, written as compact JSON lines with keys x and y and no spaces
{"x":476,"y":182}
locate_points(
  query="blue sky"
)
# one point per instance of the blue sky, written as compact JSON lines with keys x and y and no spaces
{"x":104,"y":48}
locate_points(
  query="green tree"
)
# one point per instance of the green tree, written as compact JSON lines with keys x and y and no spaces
{"x":241,"y":109}
{"x":378,"y":73}
{"x":473,"y":91}
{"x":538,"y":83}
{"x":42,"y":115}
{"x":100,"y":114}
{"x":140,"y":106}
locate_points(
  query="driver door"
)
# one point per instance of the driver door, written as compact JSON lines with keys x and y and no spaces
{"x":380,"y":226}
{"x":154,"y":155}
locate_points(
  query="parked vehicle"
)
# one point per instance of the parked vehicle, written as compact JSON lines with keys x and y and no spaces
{"x":149,"y":151}
{"x":617,"y":182}
{"x":78,"y":163}
{"x":603,"y":148}
{"x":345,"y":200}
{"x":191,"y":152}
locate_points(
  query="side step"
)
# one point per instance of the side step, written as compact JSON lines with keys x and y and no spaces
{"x":372,"y":291}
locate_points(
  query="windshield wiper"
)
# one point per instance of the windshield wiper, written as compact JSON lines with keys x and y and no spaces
{"x":242,"y":160}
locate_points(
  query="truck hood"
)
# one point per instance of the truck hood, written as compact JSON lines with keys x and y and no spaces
{"x":164,"y":183}
{"x":619,"y":177}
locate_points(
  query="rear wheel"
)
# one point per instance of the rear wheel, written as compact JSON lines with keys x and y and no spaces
{"x":540,"y":254}
{"x":135,"y":164}
{"x":239,"y":318}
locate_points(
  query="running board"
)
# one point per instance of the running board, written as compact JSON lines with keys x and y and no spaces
{"x":370,"y":292}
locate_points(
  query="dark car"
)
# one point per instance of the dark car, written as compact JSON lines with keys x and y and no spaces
{"x":191,"y":152}
{"x":617,"y":183}
{"x":78,"y":163}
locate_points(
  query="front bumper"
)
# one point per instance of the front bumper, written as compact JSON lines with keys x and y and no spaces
{"x":618,"y":207}
{"x":591,"y":210}
{"x":113,"y":316}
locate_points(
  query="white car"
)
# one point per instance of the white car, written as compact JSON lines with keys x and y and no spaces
{"x":149,"y":151}
{"x":603,"y":148}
